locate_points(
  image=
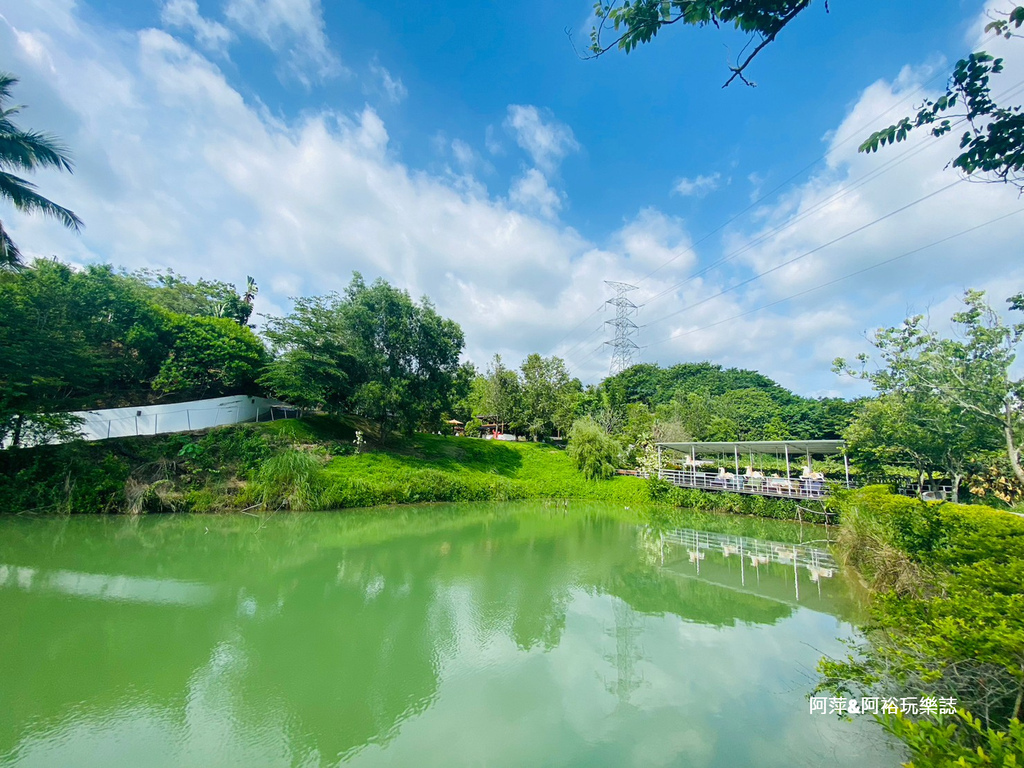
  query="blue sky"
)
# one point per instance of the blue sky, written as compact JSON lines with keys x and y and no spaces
{"x":469,"y":154}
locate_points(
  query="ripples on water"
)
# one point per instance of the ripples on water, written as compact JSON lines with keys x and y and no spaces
{"x":499,"y":635}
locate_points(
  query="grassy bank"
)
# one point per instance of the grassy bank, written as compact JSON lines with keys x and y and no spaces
{"x":308,"y":464}
{"x":312,"y":464}
{"x":947,"y":620}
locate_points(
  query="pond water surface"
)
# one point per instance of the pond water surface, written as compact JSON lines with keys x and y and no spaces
{"x":464,"y":635}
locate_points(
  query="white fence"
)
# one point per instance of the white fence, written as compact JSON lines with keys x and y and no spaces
{"x":180,"y":417}
{"x":790,"y":488}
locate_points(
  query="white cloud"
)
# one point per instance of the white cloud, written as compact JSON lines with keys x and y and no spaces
{"x":175,"y":168}
{"x":392,"y":87}
{"x":544,"y":138}
{"x":464,"y":154}
{"x":697,"y":187}
{"x":653,"y":239}
{"x":494,"y":146}
{"x":294,"y":28}
{"x":795,"y":339}
{"x":184,"y":14}
{"x":532,"y":192}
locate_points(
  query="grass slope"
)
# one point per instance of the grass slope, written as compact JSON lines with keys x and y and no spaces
{"x":312,"y":464}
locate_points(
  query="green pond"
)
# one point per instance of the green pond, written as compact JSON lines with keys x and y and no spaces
{"x":453,"y":635}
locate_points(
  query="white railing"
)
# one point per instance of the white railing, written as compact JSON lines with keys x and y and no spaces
{"x":782,"y":487}
{"x":758,"y":551}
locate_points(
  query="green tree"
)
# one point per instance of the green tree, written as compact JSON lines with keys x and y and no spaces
{"x":961,"y":387}
{"x":209,"y":357}
{"x":637,"y":22}
{"x":503,"y":395}
{"x":91,"y":338}
{"x":202,"y":298}
{"x":26,"y":151}
{"x":992,"y":144}
{"x":568,"y":404}
{"x":371,"y":351}
{"x":595,"y":454}
{"x":545,"y":381}
{"x":406,"y":355}
{"x":70,"y":340}
{"x":462,"y":392}
{"x":313,"y":366}
{"x":671,"y":423}
{"x":750,"y":410}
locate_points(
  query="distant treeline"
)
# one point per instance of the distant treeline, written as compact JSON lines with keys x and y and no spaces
{"x":74,"y":339}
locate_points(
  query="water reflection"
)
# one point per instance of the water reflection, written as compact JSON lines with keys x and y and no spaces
{"x":772,"y":569}
{"x":450,"y":636}
{"x":101,"y":586}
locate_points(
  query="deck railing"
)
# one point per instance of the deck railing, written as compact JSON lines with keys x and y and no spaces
{"x":781,"y":487}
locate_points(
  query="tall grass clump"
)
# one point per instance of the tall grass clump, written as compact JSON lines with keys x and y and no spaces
{"x":869,"y":541}
{"x":290,"y":479}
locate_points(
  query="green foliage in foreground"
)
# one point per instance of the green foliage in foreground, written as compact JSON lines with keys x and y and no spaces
{"x":947,"y":619}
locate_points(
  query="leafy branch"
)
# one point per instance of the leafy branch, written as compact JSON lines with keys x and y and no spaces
{"x":992,"y":149}
{"x":639,"y":21}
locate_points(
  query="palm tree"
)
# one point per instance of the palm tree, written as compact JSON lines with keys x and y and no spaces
{"x":26,"y":151}
{"x":251,"y":289}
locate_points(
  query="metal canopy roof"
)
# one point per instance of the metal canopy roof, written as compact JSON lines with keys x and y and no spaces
{"x":778,"y":447}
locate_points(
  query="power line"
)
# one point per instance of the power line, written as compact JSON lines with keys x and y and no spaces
{"x":764,"y":236}
{"x":853,"y":135}
{"x":573,"y":329}
{"x":584,"y":339}
{"x":840,"y":279}
{"x":839,"y":194}
{"x":808,"y":253}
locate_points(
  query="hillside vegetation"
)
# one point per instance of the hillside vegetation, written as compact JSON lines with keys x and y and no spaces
{"x":307,"y":464}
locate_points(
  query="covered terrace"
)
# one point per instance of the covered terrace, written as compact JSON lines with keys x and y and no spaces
{"x":805,"y":483}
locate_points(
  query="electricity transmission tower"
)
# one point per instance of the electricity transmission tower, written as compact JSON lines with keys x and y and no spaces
{"x":622,"y":345}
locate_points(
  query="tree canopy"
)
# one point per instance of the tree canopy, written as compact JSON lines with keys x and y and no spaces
{"x":371,"y":351}
{"x":93,"y":338}
{"x":945,"y":402}
{"x":638,"y":22}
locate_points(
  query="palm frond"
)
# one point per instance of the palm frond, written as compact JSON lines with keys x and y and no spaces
{"x":10,"y":256}
{"x":27,"y":150}
{"x":22,"y":194}
{"x":7,"y":83}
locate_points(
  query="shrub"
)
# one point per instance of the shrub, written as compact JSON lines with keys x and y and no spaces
{"x":964,"y":741}
{"x":663,"y":492}
{"x":947,"y":618}
{"x":592,"y":450}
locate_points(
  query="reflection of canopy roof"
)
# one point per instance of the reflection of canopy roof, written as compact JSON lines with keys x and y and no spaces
{"x":775,"y":447}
